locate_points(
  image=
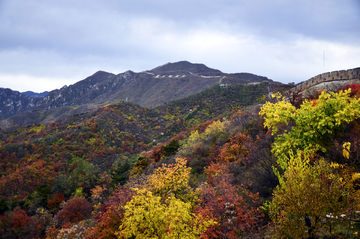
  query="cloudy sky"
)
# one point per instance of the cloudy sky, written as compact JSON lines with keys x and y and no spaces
{"x":45,"y":45}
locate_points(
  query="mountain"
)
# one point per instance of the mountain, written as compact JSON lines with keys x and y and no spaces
{"x":187,"y":67}
{"x":34,"y":94}
{"x":14,"y":102}
{"x":148,"y":89}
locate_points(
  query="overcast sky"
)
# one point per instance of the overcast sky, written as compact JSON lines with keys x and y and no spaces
{"x":45,"y":45}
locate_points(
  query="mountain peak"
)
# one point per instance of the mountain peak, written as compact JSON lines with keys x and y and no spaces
{"x":101,"y":74}
{"x":185,"y":66}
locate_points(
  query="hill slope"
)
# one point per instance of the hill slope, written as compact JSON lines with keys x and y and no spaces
{"x":100,"y":136}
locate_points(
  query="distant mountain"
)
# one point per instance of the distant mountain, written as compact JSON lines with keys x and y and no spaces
{"x":33,"y":94}
{"x":14,"y":102}
{"x":187,"y":67}
{"x":148,"y":89}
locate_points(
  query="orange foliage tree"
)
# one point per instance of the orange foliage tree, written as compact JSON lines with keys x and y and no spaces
{"x":237,"y":150}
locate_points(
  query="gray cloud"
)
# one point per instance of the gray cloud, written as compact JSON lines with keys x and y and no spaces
{"x":52,"y":43}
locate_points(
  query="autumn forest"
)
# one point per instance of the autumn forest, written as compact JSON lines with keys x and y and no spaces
{"x":222,"y":163}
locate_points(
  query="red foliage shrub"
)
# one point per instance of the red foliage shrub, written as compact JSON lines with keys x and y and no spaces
{"x":216,"y":171}
{"x":75,"y":210}
{"x":56,"y":200}
{"x":17,"y":224}
{"x":20,"y":218}
{"x":233,"y":208}
{"x":109,"y":219}
{"x":355,"y":89}
{"x":213,"y":155}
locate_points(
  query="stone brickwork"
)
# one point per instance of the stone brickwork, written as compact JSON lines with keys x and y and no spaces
{"x":325,"y":80}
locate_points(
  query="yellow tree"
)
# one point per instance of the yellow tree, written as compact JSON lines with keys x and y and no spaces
{"x":164,"y":208}
{"x":172,"y":179}
{"x":309,"y":197}
{"x":313,"y":124}
{"x":309,"y":192}
{"x":146,"y":216}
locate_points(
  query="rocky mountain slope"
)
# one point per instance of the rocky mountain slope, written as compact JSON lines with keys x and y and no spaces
{"x":148,"y":89}
{"x":14,"y":102}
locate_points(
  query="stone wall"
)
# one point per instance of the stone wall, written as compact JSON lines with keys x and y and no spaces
{"x":342,"y":76}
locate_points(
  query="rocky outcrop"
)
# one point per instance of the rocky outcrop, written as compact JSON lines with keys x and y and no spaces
{"x":13,"y":102}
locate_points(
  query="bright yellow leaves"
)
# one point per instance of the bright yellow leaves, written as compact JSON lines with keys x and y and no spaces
{"x":276,"y":114}
{"x":308,"y":192}
{"x":212,"y":132}
{"x":313,"y":123}
{"x":163,"y":208}
{"x":171,"y":179}
{"x":277,"y":95}
{"x":217,"y":127}
{"x":193,"y":138}
{"x":146,"y":216}
{"x":346,"y":149}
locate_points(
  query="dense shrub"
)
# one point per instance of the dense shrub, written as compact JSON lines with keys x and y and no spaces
{"x":75,"y":210}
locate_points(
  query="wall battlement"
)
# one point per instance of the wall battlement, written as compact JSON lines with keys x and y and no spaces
{"x":342,"y":75}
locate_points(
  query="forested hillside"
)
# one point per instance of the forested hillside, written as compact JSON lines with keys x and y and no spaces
{"x":217,"y":164}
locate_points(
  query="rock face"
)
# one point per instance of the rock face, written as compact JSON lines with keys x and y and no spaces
{"x":147,"y":88}
{"x":13,"y":102}
{"x":328,"y":81}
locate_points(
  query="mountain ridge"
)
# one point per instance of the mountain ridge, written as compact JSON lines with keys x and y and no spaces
{"x":196,"y":68}
{"x":148,"y":88}
{"x":34,"y":94}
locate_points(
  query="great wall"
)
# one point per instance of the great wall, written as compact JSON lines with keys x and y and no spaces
{"x":328,"y":81}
